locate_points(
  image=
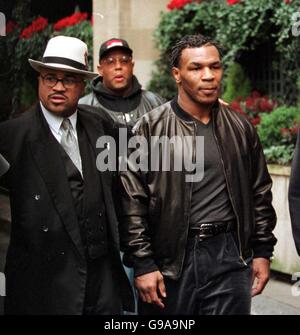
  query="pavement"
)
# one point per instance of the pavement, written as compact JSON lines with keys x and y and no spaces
{"x":280,"y":297}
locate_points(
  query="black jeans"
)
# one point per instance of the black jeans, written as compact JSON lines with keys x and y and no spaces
{"x":214,"y":281}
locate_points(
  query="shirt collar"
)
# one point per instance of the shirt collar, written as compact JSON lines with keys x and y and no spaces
{"x":55,"y":121}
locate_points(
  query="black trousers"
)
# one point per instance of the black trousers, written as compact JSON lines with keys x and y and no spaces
{"x":214,"y":281}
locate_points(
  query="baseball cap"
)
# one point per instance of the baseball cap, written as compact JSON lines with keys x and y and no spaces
{"x":113,"y":43}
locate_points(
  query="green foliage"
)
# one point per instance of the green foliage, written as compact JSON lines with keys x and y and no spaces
{"x":278,"y":134}
{"x":270,"y":127}
{"x":279,"y":154}
{"x":28,"y":95}
{"x":23,"y":76}
{"x":298,"y":86}
{"x":238,"y":28}
{"x":164,"y":84}
{"x":237,"y":85}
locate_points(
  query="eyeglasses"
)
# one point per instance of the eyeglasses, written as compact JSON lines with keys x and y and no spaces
{"x":50,"y":81}
{"x":124,"y":60}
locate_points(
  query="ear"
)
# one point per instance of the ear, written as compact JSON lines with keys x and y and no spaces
{"x":100,"y":70}
{"x":83,"y":88}
{"x":176,"y":75}
{"x":133,"y":63}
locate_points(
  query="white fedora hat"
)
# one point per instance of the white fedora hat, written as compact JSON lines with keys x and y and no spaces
{"x":67,"y":54}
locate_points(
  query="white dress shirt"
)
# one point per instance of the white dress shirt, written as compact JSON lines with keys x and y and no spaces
{"x":55,"y":121}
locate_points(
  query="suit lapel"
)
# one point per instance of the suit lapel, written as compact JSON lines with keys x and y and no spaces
{"x":50,"y":165}
{"x":94,"y":129}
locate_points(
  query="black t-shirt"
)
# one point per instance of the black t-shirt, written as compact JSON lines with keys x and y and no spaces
{"x":210,"y":200}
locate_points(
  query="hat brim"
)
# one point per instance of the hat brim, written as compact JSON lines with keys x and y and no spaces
{"x":105,"y":52}
{"x":38,"y":66}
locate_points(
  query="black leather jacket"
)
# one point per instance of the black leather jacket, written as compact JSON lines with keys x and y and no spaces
{"x":156,"y":205}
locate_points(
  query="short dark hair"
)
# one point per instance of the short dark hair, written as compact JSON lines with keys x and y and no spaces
{"x":189,"y":42}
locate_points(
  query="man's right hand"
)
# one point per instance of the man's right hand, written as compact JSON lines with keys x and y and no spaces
{"x":151,"y":287}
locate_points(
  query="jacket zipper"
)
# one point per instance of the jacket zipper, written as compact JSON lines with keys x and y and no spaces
{"x":229,"y":193}
{"x":190,"y":190}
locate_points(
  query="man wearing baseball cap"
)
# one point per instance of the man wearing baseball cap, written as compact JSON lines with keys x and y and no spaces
{"x":63,"y":256}
{"x":116,"y":90}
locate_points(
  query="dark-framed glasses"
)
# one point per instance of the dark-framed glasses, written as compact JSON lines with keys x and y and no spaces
{"x":123,"y":60}
{"x":68,"y":82}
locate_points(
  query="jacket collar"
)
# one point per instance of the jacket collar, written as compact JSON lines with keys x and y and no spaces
{"x":55,"y":121}
{"x":182,"y":114}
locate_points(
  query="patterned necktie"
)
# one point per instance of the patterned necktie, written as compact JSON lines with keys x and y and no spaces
{"x":69,"y":143}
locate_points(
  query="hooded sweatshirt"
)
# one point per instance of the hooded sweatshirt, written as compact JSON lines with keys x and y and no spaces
{"x":124,"y":110}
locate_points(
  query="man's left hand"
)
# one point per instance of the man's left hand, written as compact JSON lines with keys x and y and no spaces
{"x":261,"y":272}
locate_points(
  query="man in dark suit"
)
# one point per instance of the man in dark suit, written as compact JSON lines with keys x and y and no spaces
{"x":294,"y":195}
{"x":63,"y":256}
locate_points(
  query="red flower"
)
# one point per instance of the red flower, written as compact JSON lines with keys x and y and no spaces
{"x":70,"y":20}
{"x":10,"y":27}
{"x":253,"y":106}
{"x":255,"y":94}
{"x":284,"y":131}
{"x":177,"y":4}
{"x":265,"y":105}
{"x":237,"y":107}
{"x":289,"y":132}
{"x":233,"y":2}
{"x":250,"y":102}
{"x":37,"y":25}
{"x":294,"y":130}
{"x":255,"y":121}
{"x":287,"y":1}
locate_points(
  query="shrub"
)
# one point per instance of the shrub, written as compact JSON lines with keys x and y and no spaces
{"x":239,"y":26}
{"x":280,"y":154}
{"x":237,"y":85}
{"x":278,"y":134}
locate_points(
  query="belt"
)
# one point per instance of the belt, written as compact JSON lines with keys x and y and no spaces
{"x":207,"y":230}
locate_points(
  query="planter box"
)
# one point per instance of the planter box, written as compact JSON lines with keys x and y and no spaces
{"x":286,"y":259}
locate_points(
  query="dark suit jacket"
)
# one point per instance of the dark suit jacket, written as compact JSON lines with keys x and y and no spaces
{"x":46,"y":267}
{"x":294,"y":195}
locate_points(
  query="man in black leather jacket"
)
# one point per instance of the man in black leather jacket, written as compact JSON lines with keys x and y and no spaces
{"x":117,"y":91}
{"x":197,"y":243}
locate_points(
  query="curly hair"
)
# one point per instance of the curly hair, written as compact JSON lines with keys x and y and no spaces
{"x":188,"y":42}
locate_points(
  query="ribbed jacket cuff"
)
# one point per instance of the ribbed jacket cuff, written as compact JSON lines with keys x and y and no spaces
{"x":263,"y":251}
{"x":144,"y":265}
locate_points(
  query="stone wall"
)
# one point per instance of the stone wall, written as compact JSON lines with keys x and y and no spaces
{"x":286,"y":259}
